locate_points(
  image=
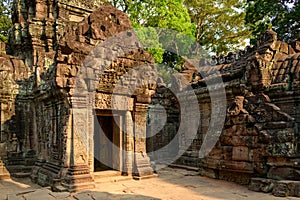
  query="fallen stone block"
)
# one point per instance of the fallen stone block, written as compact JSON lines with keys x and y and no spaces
{"x":261,"y":185}
{"x":286,"y":188}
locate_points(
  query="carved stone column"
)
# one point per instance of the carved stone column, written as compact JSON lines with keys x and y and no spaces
{"x":129,"y":144}
{"x":141,"y":160}
{"x":78,"y":176}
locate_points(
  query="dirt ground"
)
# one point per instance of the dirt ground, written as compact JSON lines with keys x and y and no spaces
{"x":172,"y":183}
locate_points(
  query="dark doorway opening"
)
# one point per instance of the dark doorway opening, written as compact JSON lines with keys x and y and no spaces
{"x":108,"y":143}
{"x":102,"y":146}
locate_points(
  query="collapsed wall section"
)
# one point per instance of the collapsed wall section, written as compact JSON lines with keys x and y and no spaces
{"x":260,"y":137}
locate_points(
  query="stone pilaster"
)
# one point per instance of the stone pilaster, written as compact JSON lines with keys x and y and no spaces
{"x":141,"y":160}
{"x":129,"y":144}
{"x":78,"y":176}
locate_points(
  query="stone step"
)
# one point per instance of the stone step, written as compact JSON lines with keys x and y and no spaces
{"x":77,"y":179}
{"x":21,"y":174}
{"x":19,"y":168}
{"x":145,"y":177}
{"x":59,"y":188}
{"x":78,"y":187}
{"x":113,"y":179}
{"x":196,"y":169}
{"x":104,"y":174}
{"x":4,"y":176}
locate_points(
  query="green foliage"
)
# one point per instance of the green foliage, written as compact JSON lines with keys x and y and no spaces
{"x":5,"y":20}
{"x":163,"y":15}
{"x":169,"y":14}
{"x":220,"y":23}
{"x":280,"y":15}
{"x":149,"y":38}
{"x":165,"y":73}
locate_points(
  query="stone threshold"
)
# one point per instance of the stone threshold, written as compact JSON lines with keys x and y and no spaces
{"x":145,"y":177}
{"x":196,"y":169}
{"x":109,"y":176}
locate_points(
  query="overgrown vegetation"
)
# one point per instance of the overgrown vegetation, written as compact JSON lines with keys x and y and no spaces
{"x":219,"y":26}
{"x":283,"y":16}
{"x":5,"y":19}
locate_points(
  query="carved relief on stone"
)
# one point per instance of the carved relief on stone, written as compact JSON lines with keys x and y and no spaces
{"x":103,"y":101}
{"x":80,"y":125}
{"x":258,"y":74}
{"x":81,"y":137}
{"x":80,"y":151}
{"x":237,"y":107}
{"x":119,"y":102}
{"x":268,"y":36}
{"x":14,"y":143}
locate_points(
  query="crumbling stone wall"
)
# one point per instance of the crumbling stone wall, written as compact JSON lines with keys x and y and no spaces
{"x":260,"y":137}
{"x":163,"y":124}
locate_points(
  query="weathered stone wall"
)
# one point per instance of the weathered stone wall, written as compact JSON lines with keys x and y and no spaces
{"x":260,"y":137}
{"x":259,"y":69}
{"x":162,"y":125}
{"x":13,"y":71}
{"x":53,"y":60}
{"x":46,"y":125}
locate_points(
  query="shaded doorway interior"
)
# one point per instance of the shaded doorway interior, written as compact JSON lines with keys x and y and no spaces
{"x":107,"y":151}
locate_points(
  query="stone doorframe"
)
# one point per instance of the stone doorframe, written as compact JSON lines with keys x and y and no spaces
{"x":135,"y":161}
{"x":118,"y":137}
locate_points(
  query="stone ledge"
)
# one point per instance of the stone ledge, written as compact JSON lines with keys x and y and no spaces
{"x":283,"y":188}
{"x":196,"y":169}
{"x":145,"y":177}
{"x":21,"y":175}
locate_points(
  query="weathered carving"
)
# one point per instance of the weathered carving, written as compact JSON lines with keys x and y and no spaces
{"x":47,"y":63}
{"x":14,"y":144}
{"x":49,"y":44}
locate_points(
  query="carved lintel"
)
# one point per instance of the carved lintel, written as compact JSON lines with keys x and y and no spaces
{"x":113,"y":102}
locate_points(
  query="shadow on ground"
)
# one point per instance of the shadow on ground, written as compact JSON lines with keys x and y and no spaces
{"x":11,"y":186}
{"x":24,"y":189}
{"x":172,"y":183}
{"x":92,"y":195}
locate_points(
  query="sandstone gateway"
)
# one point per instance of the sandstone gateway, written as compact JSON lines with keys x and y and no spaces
{"x":43,"y":114}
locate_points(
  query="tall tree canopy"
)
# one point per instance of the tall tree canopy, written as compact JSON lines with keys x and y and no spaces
{"x":283,"y":16}
{"x":220,"y":23}
{"x":5,"y":21}
{"x":167,"y":14}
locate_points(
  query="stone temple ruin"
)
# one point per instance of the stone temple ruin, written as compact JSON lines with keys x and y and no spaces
{"x":48,"y":134}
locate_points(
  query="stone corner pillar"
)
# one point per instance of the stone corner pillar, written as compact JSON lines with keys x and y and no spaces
{"x":78,"y":174}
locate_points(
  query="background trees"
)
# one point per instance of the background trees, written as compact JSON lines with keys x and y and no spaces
{"x":283,"y":16}
{"x":167,"y":14}
{"x":5,"y":21}
{"x":219,"y":26}
{"x":220,"y":23}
